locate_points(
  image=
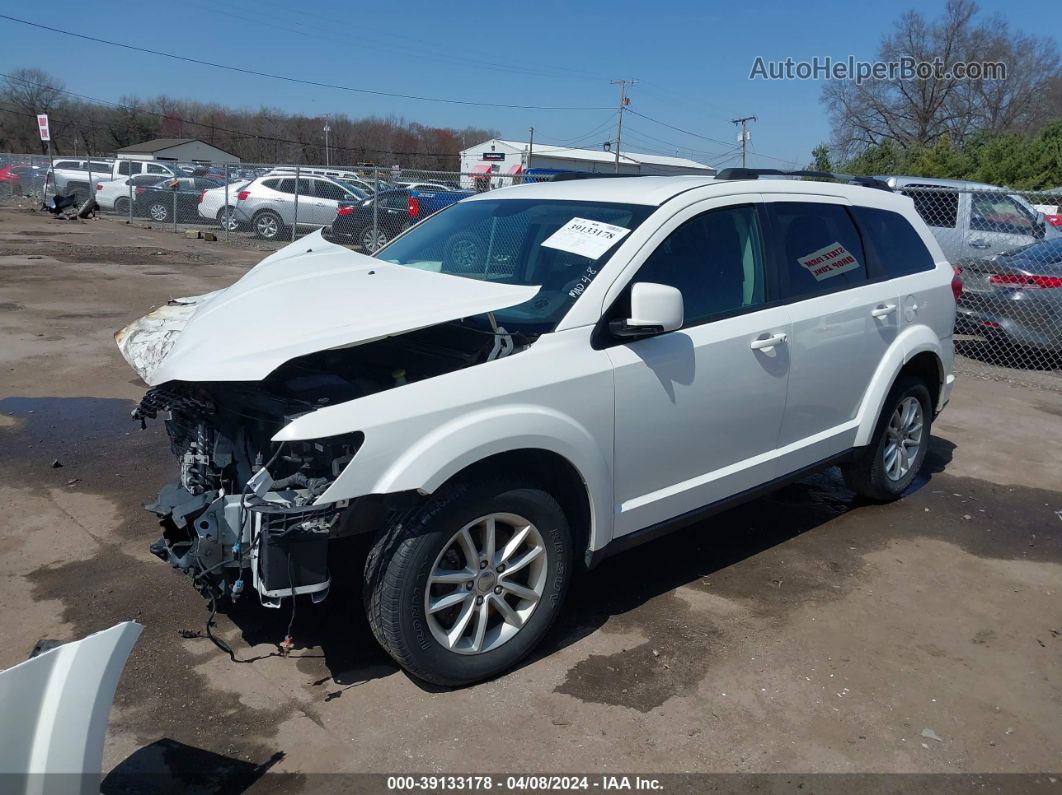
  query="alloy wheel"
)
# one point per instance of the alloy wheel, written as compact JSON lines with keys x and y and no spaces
{"x":227,"y":221}
{"x":903,"y":438}
{"x":373,"y":241}
{"x":159,"y":212}
{"x":267,"y":226}
{"x":485,"y":583}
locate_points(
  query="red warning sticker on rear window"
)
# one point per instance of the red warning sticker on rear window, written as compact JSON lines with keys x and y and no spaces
{"x":829,"y":261}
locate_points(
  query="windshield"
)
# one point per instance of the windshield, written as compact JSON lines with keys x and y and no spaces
{"x":520,"y":241}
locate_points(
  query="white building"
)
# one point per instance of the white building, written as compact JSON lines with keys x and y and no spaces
{"x":501,"y":161}
{"x":184,"y":150}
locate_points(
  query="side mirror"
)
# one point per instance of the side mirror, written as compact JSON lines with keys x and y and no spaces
{"x":655,"y":308}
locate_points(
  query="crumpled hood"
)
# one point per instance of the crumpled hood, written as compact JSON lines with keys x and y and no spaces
{"x":310,"y":296}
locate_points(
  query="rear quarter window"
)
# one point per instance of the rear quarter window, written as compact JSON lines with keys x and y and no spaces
{"x":893,"y":247}
{"x":819,"y":248}
{"x":938,"y":206}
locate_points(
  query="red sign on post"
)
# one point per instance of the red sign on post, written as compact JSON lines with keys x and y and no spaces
{"x":42,"y":124}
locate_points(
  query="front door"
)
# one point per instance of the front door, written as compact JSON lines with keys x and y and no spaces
{"x":997,"y":223}
{"x":698,"y":409}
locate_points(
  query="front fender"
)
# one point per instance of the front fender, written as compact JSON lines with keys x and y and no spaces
{"x":446,"y":450}
{"x":910,"y":342}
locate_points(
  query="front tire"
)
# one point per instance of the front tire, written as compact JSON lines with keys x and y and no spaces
{"x":899,"y":445}
{"x":465,"y":585}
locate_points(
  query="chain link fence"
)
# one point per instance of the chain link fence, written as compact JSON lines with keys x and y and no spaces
{"x":1007,"y":245}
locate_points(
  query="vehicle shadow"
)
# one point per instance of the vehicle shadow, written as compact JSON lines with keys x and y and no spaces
{"x":169,"y":766}
{"x":630,"y":579}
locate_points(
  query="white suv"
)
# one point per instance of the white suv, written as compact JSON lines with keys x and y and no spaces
{"x":531,"y":380}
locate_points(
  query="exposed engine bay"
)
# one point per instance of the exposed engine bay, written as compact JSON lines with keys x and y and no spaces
{"x":242,"y":510}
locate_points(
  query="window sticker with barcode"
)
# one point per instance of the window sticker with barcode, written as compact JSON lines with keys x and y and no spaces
{"x":831,"y":260}
{"x":586,"y":238}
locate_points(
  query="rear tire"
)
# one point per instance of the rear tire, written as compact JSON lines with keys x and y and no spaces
{"x":421,"y":561}
{"x":121,"y":206}
{"x":159,"y":212}
{"x":898,"y":447}
{"x":370,"y":241}
{"x":268,"y":225}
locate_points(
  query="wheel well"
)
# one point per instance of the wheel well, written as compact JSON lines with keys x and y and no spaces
{"x":926,"y":366}
{"x":555,"y":474}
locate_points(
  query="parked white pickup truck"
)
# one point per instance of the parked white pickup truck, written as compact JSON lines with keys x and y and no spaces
{"x":75,"y":176}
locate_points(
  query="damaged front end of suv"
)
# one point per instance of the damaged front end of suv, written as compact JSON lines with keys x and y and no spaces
{"x":247,"y":510}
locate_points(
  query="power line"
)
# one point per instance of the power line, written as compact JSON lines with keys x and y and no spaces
{"x":698,"y":135}
{"x":285,"y":78}
{"x":679,"y":129}
{"x":673,"y":145}
{"x":423,"y":49}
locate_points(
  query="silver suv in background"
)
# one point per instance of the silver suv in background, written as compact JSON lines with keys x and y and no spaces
{"x":973,"y":220}
{"x":268,"y":204}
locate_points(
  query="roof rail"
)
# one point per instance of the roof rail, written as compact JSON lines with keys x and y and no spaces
{"x":756,"y":173}
{"x":565,"y":176}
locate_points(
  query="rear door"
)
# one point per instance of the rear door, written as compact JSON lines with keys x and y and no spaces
{"x":327,"y":196}
{"x":842,"y":323}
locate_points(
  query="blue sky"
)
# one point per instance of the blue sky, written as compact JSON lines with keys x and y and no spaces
{"x":692,"y":58}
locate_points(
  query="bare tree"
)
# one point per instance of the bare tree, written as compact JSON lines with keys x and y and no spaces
{"x":910,"y":112}
{"x":24,"y":94}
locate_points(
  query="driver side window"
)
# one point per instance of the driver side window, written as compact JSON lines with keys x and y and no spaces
{"x":998,"y":212}
{"x":715,"y":260}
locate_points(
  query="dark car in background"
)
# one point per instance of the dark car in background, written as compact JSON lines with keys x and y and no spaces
{"x":20,"y":179}
{"x":355,"y":220}
{"x":160,"y":201}
{"x":1015,"y":297}
{"x":398,"y":209}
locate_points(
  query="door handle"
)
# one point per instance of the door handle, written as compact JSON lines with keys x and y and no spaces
{"x":883,"y":310}
{"x":980,"y":244}
{"x":761,"y":343}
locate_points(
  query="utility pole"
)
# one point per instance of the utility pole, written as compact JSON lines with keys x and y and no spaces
{"x":623,"y":103}
{"x":530,"y":149}
{"x":327,"y":130}
{"x":744,"y":135}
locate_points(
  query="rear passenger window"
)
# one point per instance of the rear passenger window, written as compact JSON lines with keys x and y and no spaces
{"x":893,"y":247}
{"x":153,"y":169}
{"x":937,"y":206}
{"x":820,"y":248}
{"x":126,"y":167}
{"x":328,"y":190}
{"x":714,"y":259}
